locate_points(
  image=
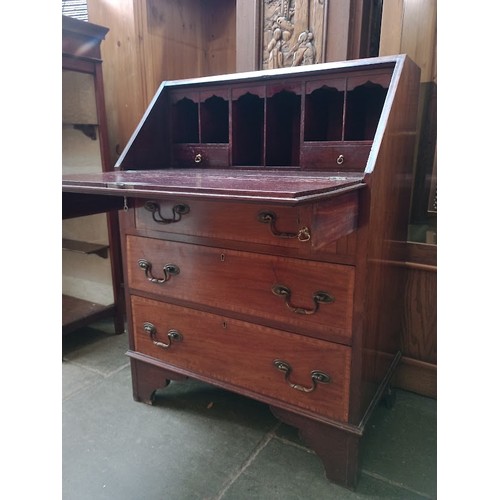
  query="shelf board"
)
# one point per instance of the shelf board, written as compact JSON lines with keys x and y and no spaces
{"x":85,"y":247}
{"x":76,"y":313}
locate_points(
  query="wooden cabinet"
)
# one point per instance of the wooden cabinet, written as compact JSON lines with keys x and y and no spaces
{"x":91,"y":274}
{"x":258,"y":214}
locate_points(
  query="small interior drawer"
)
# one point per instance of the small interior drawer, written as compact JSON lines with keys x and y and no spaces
{"x":335,"y":156}
{"x":200,"y":155}
{"x":244,"y":355}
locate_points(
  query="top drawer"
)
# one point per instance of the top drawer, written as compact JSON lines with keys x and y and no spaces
{"x":314,"y":225}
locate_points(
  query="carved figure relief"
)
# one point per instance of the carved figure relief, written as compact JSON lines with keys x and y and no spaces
{"x":293,"y":32}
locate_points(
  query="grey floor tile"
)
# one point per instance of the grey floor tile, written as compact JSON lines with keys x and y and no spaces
{"x":401,"y":443}
{"x":393,"y":450}
{"x":75,"y":378}
{"x":96,"y":350}
{"x":114,"y":447}
{"x":282,"y":471}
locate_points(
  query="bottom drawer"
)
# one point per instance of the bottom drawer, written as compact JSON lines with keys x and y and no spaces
{"x":253,"y":359}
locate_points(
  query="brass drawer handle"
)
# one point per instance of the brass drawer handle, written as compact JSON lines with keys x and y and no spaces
{"x":316,"y":376}
{"x":168,"y":271}
{"x":177,"y":212}
{"x":318,"y":298}
{"x":173,"y":335}
{"x":268,"y":217}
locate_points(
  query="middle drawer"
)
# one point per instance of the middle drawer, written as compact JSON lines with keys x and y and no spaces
{"x":308,"y":297}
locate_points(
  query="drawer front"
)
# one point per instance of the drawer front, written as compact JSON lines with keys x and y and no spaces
{"x":309,"y":297}
{"x":243,"y":355}
{"x":345,"y":157}
{"x":261,"y":224}
{"x":200,"y":155}
{"x":305,"y":228}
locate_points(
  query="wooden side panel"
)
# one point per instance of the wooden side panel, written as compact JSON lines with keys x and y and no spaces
{"x":218,"y":19}
{"x":416,"y":376}
{"x":420,"y":315}
{"x":247,"y":40}
{"x":337,"y":30}
{"x":418,"y":368}
{"x":150,"y":41}
{"x":386,"y":202}
{"x":417,"y":319}
{"x":409,"y":27}
{"x":125,"y":95}
{"x":392,"y":27}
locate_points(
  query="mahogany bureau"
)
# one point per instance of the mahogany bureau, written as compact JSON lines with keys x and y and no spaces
{"x":258,"y":212}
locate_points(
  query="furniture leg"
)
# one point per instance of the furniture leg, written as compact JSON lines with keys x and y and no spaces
{"x":147,"y":378}
{"x":337,"y":448}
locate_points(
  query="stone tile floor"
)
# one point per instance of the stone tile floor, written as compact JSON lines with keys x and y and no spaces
{"x":201,"y":442}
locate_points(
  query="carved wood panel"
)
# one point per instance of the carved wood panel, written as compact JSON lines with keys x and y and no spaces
{"x":293,"y":32}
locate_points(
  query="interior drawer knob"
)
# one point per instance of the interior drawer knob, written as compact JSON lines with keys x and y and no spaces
{"x":198,"y":158}
{"x":169,"y":270}
{"x":318,"y":298}
{"x":172,"y":335}
{"x":340,"y":159}
{"x":316,"y":376}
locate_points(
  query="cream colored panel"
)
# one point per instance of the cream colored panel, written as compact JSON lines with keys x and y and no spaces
{"x":78,"y":98}
{"x":93,"y":229}
{"x":87,"y":277}
{"x":80,"y":154}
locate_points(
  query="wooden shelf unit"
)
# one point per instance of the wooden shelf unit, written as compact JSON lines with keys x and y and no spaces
{"x":85,"y":149}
